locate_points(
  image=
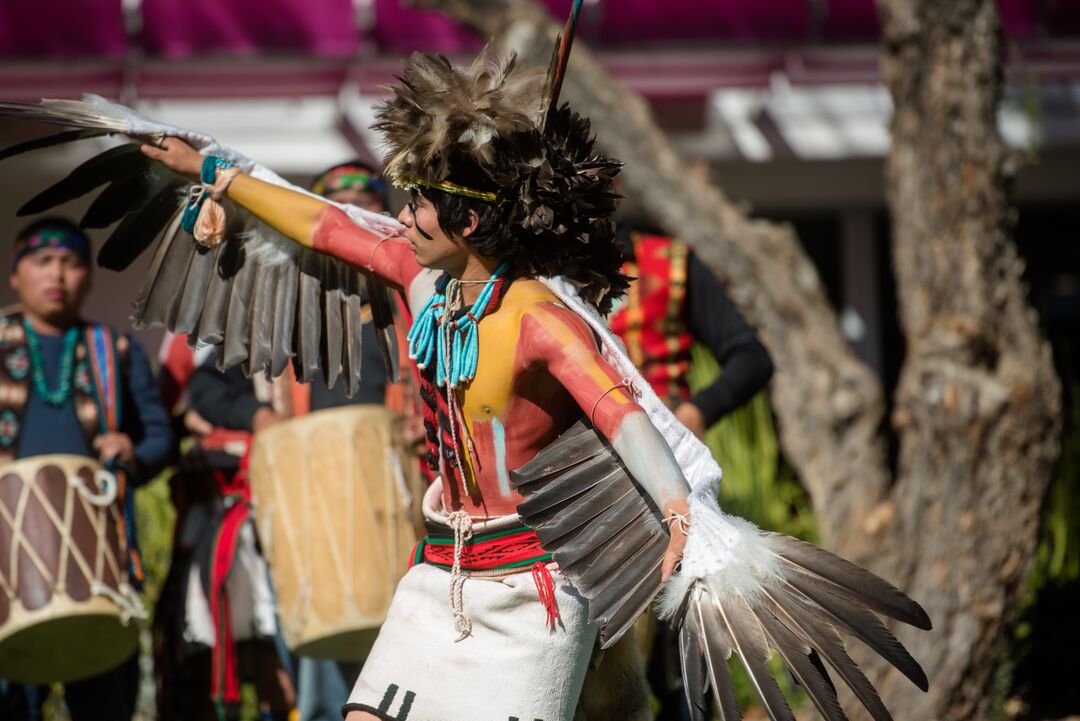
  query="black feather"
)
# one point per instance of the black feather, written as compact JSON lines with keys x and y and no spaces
{"x":118,"y":199}
{"x":137,"y":230}
{"x":117,"y":162}
{"x":797,"y":657}
{"x":823,"y":637}
{"x":212,"y":322}
{"x":330,"y":357}
{"x":861,"y":623}
{"x":309,"y":325}
{"x":162,"y":286}
{"x":750,"y":644}
{"x":237,"y":322}
{"x":353,"y":350}
{"x":382,"y":315}
{"x":193,"y":297}
{"x":579,"y":443}
{"x":261,"y":320}
{"x":284,"y":318}
{"x":695,"y":673}
{"x":717,"y":644}
{"x":49,"y":141}
{"x":847,"y":579}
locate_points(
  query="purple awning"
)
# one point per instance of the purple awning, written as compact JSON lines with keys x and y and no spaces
{"x":182,"y":28}
{"x":1063,"y":18}
{"x":850,"y":20}
{"x":401,"y":30}
{"x":62,"y":28}
{"x":627,"y":22}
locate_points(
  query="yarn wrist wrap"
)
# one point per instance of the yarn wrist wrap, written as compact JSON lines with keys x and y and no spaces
{"x":203,"y":215}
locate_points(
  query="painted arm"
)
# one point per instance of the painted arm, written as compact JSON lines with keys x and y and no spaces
{"x":566,"y":345}
{"x":309,"y":221}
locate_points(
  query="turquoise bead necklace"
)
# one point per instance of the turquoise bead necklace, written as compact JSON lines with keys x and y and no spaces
{"x":453,"y":345}
{"x":62,"y":393}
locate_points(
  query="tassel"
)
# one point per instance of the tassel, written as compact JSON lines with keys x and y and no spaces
{"x":545,"y":588}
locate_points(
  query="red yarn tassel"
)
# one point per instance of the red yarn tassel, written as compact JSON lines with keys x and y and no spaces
{"x":545,"y":588}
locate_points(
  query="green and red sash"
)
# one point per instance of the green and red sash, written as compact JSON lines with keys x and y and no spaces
{"x":510,"y":548}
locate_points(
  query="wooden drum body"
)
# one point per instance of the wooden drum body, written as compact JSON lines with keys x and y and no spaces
{"x":65,"y":601}
{"x":336,"y":496}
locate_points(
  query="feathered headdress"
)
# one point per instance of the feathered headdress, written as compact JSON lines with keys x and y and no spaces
{"x":493,"y":132}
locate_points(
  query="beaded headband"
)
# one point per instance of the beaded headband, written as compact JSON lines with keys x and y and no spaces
{"x":64,"y":238}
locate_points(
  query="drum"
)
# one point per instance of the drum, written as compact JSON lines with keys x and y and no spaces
{"x":66,"y":606}
{"x":336,"y":496}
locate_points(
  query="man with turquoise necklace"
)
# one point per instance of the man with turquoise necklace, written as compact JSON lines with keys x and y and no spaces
{"x":49,"y":404}
{"x":485,"y":625}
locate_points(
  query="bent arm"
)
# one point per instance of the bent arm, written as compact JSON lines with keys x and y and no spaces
{"x":714,"y":321}
{"x":147,"y":421}
{"x":566,"y":344}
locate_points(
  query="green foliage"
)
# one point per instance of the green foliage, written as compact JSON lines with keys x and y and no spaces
{"x":154,"y":520}
{"x":1040,"y":662}
{"x":1058,"y":556}
{"x":759,"y":486}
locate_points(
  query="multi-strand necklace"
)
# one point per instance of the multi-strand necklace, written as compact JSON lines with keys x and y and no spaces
{"x":453,"y":346}
{"x":60,"y":395}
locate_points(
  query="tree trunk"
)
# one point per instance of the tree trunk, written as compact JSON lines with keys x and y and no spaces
{"x":978,"y":405}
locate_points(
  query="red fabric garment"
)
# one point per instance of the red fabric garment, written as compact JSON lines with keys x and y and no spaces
{"x":225,"y":681}
{"x":177,"y":365}
{"x":652,"y":322}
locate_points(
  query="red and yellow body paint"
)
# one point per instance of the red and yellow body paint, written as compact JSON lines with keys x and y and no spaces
{"x":539,"y":370}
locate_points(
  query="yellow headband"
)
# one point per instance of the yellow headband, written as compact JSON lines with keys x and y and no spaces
{"x":411,"y":181}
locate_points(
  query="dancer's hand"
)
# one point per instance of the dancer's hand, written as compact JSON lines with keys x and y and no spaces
{"x":677,"y":518}
{"x":177,"y":156}
{"x":691,"y":417}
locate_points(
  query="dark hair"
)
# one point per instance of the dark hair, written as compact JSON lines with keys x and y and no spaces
{"x":70,"y":237}
{"x":587,"y":254}
{"x":51,"y":223}
{"x":492,"y":237}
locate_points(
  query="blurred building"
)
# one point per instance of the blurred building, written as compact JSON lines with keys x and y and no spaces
{"x":781,"y":97}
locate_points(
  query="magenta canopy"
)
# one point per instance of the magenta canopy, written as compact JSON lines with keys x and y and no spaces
{"x":62,"y":29}
{"x":330,"y":29}
{"x":182,"y":28}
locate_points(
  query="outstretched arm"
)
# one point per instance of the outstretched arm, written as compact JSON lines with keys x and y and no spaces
{"x":566,"y":344}
{"x":309,"y":221}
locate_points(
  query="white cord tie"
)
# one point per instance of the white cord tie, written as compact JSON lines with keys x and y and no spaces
{"x":678,"y":520}
{"x":461,"y":522}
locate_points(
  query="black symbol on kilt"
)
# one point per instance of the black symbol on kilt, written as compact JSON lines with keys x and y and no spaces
{"x":388,"y":700}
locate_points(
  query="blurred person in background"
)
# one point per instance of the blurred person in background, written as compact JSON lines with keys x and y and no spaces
{"x":674,"y":302}
{"x":54,"y":396}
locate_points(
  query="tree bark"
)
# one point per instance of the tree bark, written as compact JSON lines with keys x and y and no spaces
{"x":978,"y":406}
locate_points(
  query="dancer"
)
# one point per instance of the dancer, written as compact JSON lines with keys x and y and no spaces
{"x":506,"y":255}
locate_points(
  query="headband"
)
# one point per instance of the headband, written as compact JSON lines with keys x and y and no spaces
{"x":52,"y":237}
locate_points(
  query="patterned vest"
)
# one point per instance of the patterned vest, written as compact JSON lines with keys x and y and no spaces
{"x":15,"y":385}
{"x":652,"y":320}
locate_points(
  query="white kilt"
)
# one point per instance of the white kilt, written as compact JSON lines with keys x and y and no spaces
{"x":512,"y":665}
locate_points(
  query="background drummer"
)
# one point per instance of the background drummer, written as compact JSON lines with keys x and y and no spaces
{"x":48,"y":405}
{"x":229,"y":400}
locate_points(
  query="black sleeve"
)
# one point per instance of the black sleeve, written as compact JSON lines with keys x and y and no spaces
{"x":145,"y":419}
{"x":226,"y":400}
{"x":716,"y":323}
